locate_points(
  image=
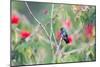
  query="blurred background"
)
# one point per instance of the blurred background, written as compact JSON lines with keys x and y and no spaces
{"x":36,"y":36}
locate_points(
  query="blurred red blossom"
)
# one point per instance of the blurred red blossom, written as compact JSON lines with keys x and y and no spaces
{"x":24,"y":34}
{"x":67,"y":24}
{"x":70,"y":39}
{"x":88,"y":30}
{"x":15,"y":20}
{"x":58,"y":35}
{"x":45,"y":11}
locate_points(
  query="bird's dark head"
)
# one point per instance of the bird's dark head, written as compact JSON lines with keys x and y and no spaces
{"x":62,"y":29}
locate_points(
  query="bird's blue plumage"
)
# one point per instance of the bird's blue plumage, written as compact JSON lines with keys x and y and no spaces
{"x":64,"y":35}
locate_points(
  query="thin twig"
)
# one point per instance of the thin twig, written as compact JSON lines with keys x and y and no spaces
{"x":58,"y":46}
{"x":51,"y":23}
{"x":36,"y":19}
{"x":52,"y":32}
{"x":60,"y":41}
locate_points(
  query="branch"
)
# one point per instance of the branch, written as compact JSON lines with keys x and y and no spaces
{"x":36,"y":19}
{"x":52,"y":32}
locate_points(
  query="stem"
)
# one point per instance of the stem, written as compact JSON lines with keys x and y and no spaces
{"x":58,"y":47}
{"x":52,"y":32}
{"x":51,"y":23}
{"x":36,"y":19}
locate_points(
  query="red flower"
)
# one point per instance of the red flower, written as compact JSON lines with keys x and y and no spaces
{"x":67,"y":24}
{"x":70,"y":39}
{"x":15,"y":20}
{"x":58,"y":35}
{"x":88,"y":30}
{"x":45,"y":11}
{"x":24,"y":34}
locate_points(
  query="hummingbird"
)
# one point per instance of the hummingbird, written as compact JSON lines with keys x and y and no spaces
{"x":65,"y":35}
